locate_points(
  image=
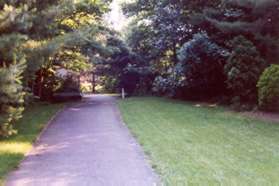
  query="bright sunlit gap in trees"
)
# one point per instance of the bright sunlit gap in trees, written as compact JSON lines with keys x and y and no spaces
{"x":116,"y":18}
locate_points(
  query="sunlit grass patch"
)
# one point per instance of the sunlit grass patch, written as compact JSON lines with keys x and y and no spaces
{"x":13,"y":149}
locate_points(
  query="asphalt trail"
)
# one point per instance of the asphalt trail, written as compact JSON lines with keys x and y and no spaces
{"x":86,"y":145}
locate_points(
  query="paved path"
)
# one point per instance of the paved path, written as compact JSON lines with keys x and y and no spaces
{"x":86,"y":144}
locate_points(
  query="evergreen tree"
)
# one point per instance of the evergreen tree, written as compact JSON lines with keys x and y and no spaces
{"x":256,"y":20}
{"x":13,"y":21}
{"x":243,"y":69}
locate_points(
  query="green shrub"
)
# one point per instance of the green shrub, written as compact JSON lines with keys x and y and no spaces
{"x":268,"y":89}
{"x":198,"y":73}
{"x":243,"y":70}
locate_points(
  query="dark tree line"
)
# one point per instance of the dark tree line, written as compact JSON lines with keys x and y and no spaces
{"x":203,"y":50}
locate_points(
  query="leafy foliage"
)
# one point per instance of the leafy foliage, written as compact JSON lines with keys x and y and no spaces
{"x":268,"y":89}
{"x":256,"y":20}
{"x":12,"y":67}
{"x":243,"y":70}
{"x":199,"y":71}
{"x":203,"y":63}
{"x":11,"y":96}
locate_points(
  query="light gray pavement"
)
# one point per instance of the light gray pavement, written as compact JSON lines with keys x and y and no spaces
{"x":86,"y":145}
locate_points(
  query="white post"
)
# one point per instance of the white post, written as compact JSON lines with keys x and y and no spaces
{"x":123,"y":93}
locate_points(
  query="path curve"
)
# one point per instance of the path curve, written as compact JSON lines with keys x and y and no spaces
{"x":86,"y":144}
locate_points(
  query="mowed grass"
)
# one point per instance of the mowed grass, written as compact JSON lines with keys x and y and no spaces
{"x":191,"y":145}
{"x":13,"y":149}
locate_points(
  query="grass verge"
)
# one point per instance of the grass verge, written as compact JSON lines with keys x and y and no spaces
{"x":13,"y":149}
{"x":193,"y":145}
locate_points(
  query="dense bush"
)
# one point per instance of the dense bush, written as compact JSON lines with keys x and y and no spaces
{"x":268,"y":89}
{"x":167,"y":84}
{"x":243,"y":69}
{"x":199,"y":71}
{"x":203,"y":63}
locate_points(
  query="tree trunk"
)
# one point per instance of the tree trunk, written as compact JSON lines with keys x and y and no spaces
{"x":175,"y":60}
{"x":41,"y":81}
{"x":93,"y":83}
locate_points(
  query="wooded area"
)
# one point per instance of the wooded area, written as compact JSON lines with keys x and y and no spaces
{"x":221,"y":50}
{"x":207,"y":49}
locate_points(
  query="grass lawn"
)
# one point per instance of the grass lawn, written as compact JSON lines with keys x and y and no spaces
{"x":13,"y":149}
{"x":191,"y":145}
